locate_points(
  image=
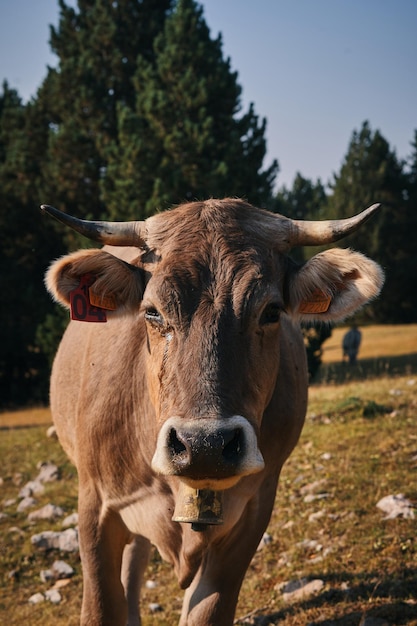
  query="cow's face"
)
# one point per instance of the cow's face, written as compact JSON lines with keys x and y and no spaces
{"x":215,"y":285}
{"x":213,"y":323}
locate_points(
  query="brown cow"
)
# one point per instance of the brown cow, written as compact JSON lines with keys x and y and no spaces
{"x":189,"y":400}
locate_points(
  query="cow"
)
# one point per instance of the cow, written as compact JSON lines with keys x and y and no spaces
{"x":184,"y":393}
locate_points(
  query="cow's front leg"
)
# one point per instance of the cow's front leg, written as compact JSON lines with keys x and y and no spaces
{"x":211,"y":598}
{"x":135,"y":560}
{"x":103,"y":537}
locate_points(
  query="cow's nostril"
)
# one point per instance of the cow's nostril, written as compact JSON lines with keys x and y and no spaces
{"x":174,"y":444}
{"x":179,"y":451}
{"x":233,"y":449}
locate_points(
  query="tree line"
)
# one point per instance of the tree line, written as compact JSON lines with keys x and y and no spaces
{"x":141,"y":112}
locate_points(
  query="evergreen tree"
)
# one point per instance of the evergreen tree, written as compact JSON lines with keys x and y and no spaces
{"x":27,"y":245}
{"x":97,"y":46}
{"x":371,"y":172}
{"x":184,"y":138}
{"x":305,"y":201}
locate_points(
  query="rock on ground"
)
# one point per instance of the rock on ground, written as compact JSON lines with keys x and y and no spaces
{"x":396,"y":506}
{"x":47,"y":512}
{"x":26,"y":503}
{"x":67,"y":541}
{"x":48,"y":472}
{"x":298,"y":589}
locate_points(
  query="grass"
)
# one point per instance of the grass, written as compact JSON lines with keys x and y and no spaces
{"x":359,"y":444}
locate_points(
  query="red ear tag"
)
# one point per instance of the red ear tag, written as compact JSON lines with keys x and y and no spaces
{"x":81,"y":308}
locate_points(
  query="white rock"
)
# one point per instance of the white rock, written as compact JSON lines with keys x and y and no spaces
{"x":17,"y":530}
{"x":36,"y":598}
{"x":60,"y":569}
{"x":154,"y":607}
{"x":310,"y":544}
{"x":48,"y":512}
{"x":396,"y":506}
{"x":46,"y":540}
{"x":67,"y":541}
{"x":311,"y":497}
{"x":289,"y":524}
{"x":312,"y":487}
{"x":70,"y":520}
{"x":298,"y":589}
{"x":48,"y":472}
{"x":53,"y":596}
{"x":151,"y":584}
{"x":32,"y":488}
{"x":26,"y":503}
{"x":314,"y":517}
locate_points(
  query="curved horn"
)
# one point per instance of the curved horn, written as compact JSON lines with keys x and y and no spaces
{"x":311,"y":233}
{"x":112,"y":233}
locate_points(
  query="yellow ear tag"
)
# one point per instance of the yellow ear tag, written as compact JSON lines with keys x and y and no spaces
{"x":103,"y":302}
{"x":318,"y":302}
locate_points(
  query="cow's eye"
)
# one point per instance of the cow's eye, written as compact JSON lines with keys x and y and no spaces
{"x":271,"y":314}
{"x":153,"y":316}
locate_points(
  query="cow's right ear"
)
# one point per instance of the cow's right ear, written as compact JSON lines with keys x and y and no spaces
{"x":113,"y":280}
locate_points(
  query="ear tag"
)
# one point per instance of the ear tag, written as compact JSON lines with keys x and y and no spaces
{"x":81,"y":308}
{"x":318,"y":302}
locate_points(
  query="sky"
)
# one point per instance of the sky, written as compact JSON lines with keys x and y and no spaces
{"x":315,"y":69}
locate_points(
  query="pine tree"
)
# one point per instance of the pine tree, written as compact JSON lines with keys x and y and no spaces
{"x":371,"y":172}
{"x":27,"y":245}
{"x":97,"y":46}
{"x":184,"y":138}
{"x":305,"y":201}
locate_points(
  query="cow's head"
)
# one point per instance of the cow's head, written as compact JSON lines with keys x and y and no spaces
{"x":210,"y":282}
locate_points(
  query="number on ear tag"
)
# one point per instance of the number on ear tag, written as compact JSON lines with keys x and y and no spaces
{"x":81,"y":308}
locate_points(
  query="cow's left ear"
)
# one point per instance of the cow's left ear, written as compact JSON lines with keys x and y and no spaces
{"x":333,"y":285}
{"x":115,"y":284}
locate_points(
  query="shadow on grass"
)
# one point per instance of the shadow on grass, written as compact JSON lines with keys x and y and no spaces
{"x":405,"y":364}
{"x":396,"y":590}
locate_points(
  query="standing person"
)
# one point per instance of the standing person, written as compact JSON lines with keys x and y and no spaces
{"x":351,"y":343}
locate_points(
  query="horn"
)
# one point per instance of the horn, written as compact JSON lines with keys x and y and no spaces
{"x":112,"y":233}
{"x":316,"y":233}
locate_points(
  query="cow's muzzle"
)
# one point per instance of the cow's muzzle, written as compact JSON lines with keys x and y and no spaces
{"x":208,"y":452}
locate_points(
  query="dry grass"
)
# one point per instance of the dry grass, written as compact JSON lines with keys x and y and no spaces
{"x":27,"y":417}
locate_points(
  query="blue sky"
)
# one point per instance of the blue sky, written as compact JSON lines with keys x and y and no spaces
{"x":316,"y":69}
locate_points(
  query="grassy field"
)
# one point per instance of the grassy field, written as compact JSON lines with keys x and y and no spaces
{"x":359,"y":445}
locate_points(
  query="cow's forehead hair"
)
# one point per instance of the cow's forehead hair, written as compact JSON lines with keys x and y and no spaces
{"x":218,"y":255}
{"x":235,"y":220}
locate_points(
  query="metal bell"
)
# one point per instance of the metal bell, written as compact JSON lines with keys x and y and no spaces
{"x":198,"y":507}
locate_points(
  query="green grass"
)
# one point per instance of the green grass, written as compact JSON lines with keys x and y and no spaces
{"x":367,"y":434}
